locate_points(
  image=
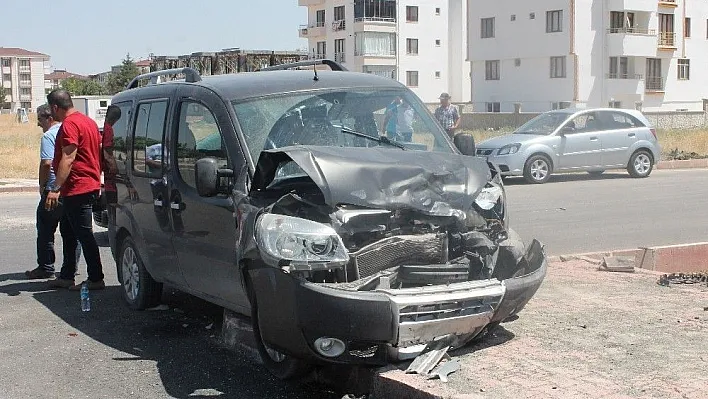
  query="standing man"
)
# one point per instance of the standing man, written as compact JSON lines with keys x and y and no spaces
{"x":109,"y":166}
{"x":77,"y":163}
{"x":48,"y":220}
{"x":448,"y":115}
{"x":390,"y":118}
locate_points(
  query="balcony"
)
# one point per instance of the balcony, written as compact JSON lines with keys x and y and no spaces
{"x":668,"y":3}
{"x":624,"y":76}
{"x":622,"y":84}
{"x":307,"y":3}
{"x":6,"y":69}
{"x":375,"y":24}
{"x":340,"y":57}
{"x":339,"y":25}
{"x":316,"y":56}
{"x":24,"y":68}
{"x":654,"y":84}
{"x":632,"y":5}
{"x":667,"y":41}
{"x":313,"y":30}
{"x":631,"y":42}
{"x":25,"y":97}
{"x":25,"y":83}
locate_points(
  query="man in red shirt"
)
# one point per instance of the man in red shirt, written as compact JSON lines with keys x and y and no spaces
{"x":77,"y":164}
{"x":109,"y":166}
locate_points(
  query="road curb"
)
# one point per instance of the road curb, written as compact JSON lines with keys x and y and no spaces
{"x":19,"y":189}
{"x":683,"y":164}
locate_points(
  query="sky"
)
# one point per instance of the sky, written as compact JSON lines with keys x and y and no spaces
{"x":88,"y":37}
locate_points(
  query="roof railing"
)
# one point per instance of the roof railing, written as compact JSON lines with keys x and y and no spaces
{"x":335,"y":66}
{"x":190,"y":75}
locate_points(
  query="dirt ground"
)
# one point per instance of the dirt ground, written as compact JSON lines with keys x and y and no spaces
{"x":592,"y":334}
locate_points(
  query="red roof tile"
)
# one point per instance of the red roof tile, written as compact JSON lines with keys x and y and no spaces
{"x":61,"y":74}
{"x":19,"y":52}
{"x":142,"y":63}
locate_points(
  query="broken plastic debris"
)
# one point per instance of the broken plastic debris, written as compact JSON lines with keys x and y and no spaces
{"x":160,"y":307}
{"x":431,"y":355}
{"x":73,"y":334}
{"x":445,"y":370}
{"x":209,"y":326}
{"x":361,"y":194}
{"x":206,"y":392}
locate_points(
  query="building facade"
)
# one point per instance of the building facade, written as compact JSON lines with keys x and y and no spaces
{"x":420,"y":43}
{"x":22,"y":76}
{"x":541,"y":55}
{"x":53,"y":80}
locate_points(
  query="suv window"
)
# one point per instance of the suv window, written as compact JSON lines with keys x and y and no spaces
{"x":120,"y":137}
{"x":147,"y":137}
{"x":198,"y":137}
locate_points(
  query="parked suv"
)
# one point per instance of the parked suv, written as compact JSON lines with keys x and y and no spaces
{"x":568,"y":140}
{"x":277,"y":195}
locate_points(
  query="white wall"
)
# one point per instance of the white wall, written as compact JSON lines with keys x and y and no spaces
{"x":38,"y":96}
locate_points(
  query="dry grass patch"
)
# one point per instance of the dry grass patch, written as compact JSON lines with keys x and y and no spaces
{"x":19,"y":147}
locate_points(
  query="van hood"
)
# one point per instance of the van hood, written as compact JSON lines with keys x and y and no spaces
{"x":439,"y":184}
{"x":501,"y":141}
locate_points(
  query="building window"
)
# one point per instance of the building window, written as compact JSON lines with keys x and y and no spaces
{"x":6,"y":62}
{"x":411,"y":13}
{"x":437,"y":42}
{"x":491,"y":70}
{"x":687,"y":27}
{"x":25,"y":91}
{"x":339,"y":50}
{"x":412,"y":78}
{"x":26,"y":105}
{"x":437,"y":11}
{"x":683,"y":69}
{"x":554,"y":21}
{"x":6,"y":77}
{"x":513,"y":17}
{"x":412,"y":46}
{"x":557,"y":67}
{"x":615,"y":104}
{"x":321,"y":50}
{"x":320,"y":18}
{"x":532,"y":15}
{"x":25,"y":77}
{"x":517,"y":62}
{"x":494,"y":107}
{"x":375,"y":43}
{"x":340,"y":17}
{"x":487,"y":28}
{"x":437,"y":74}
{"x":25,"y":63}
{"x":619,"y":68}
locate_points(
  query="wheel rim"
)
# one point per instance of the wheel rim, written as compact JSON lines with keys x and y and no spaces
{"x":642,"y":163}
{"x":131,"y":274}
{"x":539,"y":169}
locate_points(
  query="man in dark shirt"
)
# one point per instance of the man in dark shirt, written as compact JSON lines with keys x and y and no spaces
{"x":77,"y":164}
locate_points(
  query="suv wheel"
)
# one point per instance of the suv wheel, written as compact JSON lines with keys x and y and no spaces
{"x":282,"y":366}
{"x":537,"y":169}
{"x":140,"y":290}
{"x":640,"y":164}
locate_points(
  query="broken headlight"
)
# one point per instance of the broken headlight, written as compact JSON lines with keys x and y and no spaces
{"x":300,"y":243}
{"x":491,"y":202}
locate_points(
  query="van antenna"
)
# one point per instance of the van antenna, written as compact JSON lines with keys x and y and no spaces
{"x":315,"y":68}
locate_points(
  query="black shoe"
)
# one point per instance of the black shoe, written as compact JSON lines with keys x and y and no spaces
{"x":38,"y":274}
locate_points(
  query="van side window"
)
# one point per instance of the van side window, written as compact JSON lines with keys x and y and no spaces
{"x":198,"y":137}
{"x":147,"y":138}
{"x":120,"y":137}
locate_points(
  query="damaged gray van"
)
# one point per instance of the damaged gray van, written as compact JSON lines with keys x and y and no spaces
{"x":327,"y":205}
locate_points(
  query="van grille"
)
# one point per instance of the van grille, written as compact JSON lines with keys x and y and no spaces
{"x":399,"y":250}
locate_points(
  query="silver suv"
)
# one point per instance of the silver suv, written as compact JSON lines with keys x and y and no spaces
{"x":568,"y":140}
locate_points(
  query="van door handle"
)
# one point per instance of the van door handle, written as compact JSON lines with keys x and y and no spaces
{"x":177,"y":206}
{"x":631,"y":135}
{"x":593,"y":138}
{"x":157,"y":202}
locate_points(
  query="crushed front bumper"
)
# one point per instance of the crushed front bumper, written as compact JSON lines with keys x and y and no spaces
{"x":384,"y":326}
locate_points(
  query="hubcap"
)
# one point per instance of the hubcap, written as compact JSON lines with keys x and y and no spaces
{"x":131,"y":274}
{"x":539,"y":169}
{"x":642,"y":163}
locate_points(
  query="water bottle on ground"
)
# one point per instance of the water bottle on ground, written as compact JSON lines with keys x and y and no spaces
{"x":85,"y":302}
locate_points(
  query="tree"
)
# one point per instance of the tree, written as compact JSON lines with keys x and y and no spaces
{"x":82,"y":87}
{"x":3,"y":93}
{"x":128,"y":70}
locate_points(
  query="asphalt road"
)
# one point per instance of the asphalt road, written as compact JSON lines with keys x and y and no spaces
{"x":49,"y":348}
{"x":575,"y":213}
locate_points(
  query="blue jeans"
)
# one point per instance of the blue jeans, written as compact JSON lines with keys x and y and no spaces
{"x":78,"y":210}
{"x":47,"y":222}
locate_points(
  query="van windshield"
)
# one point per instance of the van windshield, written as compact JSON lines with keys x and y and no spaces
{"x":392,"y":118}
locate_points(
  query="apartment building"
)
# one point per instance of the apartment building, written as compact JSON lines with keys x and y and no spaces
{"x":23,"y":77}
{"x":54,"y":79}
{"x":420,"y":43}
{"x":541,"y":55}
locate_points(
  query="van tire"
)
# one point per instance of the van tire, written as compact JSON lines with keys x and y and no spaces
{"x":139,"y":289}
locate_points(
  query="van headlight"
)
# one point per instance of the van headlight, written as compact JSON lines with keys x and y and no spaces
{"x":491,"y":203}
{"x":302,"y":244}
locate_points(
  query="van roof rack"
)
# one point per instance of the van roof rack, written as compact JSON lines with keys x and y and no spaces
{"x":191,"y":76}
{"x":335,"y":66}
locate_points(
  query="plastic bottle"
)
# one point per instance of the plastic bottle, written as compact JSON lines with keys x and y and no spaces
{"x":85,"y":301}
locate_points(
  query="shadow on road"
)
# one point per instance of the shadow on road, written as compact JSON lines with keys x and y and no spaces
{"x":182,"y":341}
{"x":566,"y":177}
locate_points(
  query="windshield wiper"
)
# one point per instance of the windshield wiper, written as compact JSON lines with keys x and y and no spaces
{"x":378,"y":139}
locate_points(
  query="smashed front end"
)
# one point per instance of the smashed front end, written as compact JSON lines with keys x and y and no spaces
{"x":364,"y":256}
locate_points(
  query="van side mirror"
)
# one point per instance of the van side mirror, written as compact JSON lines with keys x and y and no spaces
{"x":208,"y":177}
{"x":465,"y":143}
